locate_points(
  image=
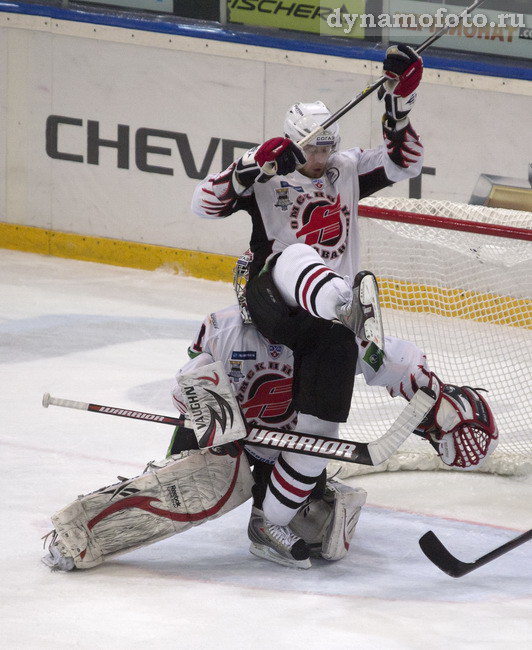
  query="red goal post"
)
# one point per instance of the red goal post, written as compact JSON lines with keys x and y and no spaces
{"x":456,"y":280}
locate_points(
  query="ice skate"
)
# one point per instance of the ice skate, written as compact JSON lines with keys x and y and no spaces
{"x":276,"y":543}
{"x":55,"y":558}
{"x":362,"y":314}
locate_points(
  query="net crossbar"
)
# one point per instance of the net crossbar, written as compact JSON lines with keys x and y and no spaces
{"x":457,"y":281}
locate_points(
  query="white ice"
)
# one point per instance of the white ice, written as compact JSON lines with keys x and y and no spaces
{"x":116,"y":336}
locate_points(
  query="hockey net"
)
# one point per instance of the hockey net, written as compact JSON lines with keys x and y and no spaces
{"x":456,"y":280}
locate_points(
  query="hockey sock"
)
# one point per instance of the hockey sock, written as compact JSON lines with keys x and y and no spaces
{"x":294,"y":476}
{"x":304,"y":280}
{"x":286,"y":491}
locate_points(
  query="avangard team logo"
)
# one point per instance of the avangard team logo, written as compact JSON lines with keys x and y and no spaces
{"x":269,"y":399}
{"x":323,"y":223}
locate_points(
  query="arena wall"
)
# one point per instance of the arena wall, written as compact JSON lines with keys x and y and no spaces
{"x":105,"y":131}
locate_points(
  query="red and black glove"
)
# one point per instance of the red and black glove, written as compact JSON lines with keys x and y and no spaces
{"x":275,"y":156}
{"x":286,"y":155}
{"x":403,"y":145}
{"x":403,"y":68}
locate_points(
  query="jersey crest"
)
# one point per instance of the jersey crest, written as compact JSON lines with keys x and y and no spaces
{"x":275,"y":350}
{"x":283,"y":200}
{"x":265,"y":394}
{"x":235,"y":374}
{"x":322,"y":223}
{"x":270,"y":399}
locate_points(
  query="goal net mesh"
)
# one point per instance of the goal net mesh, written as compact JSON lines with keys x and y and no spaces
{"x":465,"y":299}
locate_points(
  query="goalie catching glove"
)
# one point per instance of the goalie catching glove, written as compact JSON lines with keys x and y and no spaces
{"x":461,"y":426}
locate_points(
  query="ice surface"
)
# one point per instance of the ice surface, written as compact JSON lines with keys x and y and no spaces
{"x":116,"y":336}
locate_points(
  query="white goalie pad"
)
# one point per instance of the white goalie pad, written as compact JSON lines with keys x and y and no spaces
{"x":169,"y":498}
{"x":212,"y":406}
{"x":327,"y":525}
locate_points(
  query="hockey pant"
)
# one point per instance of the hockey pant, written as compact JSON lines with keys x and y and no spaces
{"x":325,"y":352}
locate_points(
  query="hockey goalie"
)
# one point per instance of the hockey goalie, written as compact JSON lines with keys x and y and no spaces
{"x":297,"y":514}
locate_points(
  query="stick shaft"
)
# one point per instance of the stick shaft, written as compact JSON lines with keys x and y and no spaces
{"x":111,"y":410}
{"x":501,"y":550}
{"x":377,"y":84}
{"x":372,"y":453}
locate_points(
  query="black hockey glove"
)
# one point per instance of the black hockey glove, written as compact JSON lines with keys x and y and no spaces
{"x":403,"y":145}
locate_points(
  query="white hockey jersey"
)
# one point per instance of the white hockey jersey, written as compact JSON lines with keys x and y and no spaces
{"x":261,"y":372}
{"x":321,"y":212}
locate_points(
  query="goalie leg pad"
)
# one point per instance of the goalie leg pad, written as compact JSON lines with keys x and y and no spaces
{"x":168,"y":499}
{"x":328,"y":525}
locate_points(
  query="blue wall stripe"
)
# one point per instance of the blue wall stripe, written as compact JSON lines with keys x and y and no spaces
{"x":462,"y":63}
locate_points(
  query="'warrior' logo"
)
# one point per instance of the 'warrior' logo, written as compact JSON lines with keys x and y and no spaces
{"x":322,"y":223}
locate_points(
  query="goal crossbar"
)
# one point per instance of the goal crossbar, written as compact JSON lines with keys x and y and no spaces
{"x":447,"y":223}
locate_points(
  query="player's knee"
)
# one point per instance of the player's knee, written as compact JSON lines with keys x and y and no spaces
{"x":298,"y":254}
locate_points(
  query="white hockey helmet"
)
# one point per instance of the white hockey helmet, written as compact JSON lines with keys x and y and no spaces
{"x":303,"y":118}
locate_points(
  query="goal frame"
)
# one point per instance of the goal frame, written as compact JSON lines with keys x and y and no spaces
{"x":491,"y":225}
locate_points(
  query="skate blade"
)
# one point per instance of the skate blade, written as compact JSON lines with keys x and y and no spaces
{"x":267,"y":553}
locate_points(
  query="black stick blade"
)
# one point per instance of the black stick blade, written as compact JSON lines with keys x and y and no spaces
{"x":440,"y":556}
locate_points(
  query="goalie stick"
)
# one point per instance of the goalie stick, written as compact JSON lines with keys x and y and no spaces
{"x":440,"y":556}
{"x":364,"y":453}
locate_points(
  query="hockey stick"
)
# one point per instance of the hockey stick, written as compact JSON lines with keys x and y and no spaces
{"x":364,"y":453}
{"x":377,"y":84}
{"x":269,"y":169}
{"x":440,"y":556}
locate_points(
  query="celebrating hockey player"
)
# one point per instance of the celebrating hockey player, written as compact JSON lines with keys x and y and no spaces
{"x":305,"y":242}
{"x":305,"y":238}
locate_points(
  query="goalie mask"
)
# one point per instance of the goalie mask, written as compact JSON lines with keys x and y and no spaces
{"x":301,"y":119}
{"x":240,"y":280}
